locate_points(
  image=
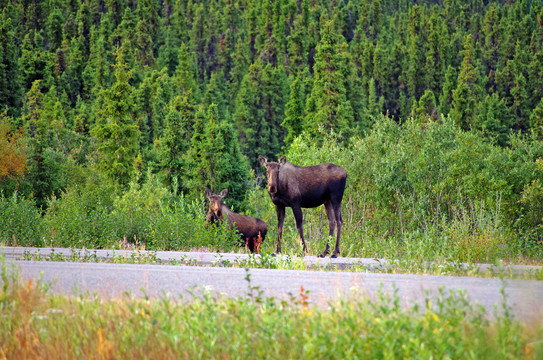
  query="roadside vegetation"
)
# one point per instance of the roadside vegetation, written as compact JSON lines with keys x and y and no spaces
{"x":116,"y":116}
{"x":415,"y":192}
{"x":37,"y":324}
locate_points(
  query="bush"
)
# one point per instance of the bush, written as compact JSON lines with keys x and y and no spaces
{"x":21,"y":221}
{"x":146,"y":215}
{"x":436,"y":179}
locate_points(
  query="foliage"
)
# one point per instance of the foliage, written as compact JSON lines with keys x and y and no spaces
{"x":39,"y":324}
{"x":21,"y":221}
{"x":13,"y":154}
{"x":438,"y":180}
{"x":127,"y":89}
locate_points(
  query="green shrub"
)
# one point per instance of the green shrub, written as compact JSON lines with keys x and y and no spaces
{"x":21,"y":221}
{"x":145,"y":215}
{"x":435,"y":179}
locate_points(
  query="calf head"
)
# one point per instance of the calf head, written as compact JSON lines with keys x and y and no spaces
{"x":215,"y":205}
{"x":272,"y":171}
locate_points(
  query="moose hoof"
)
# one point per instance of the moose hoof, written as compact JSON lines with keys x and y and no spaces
{"x":334,"y":256}
{"x":323,"y":255}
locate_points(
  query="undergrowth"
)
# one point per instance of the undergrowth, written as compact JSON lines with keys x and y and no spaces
{"x":37,"y":324}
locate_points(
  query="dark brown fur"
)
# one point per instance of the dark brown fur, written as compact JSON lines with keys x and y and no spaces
{"x":300,"y":187}
{"x":251,"y":229}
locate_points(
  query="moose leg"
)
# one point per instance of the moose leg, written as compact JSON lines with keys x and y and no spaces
{"x":280,"y":222}
{"x":339,"y":222}
{"x":299,"y":217}
{"x":331,"y":225}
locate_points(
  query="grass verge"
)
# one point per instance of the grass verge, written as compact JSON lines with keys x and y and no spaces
{"x":38,"y":324}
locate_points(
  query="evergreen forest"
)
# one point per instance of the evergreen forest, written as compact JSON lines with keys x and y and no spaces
{"x":116,"y":115}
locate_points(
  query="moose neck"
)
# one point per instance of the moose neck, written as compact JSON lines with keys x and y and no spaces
{"x":225,"y":210}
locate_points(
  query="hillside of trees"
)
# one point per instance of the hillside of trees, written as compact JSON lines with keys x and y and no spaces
{"x":173,"y":96}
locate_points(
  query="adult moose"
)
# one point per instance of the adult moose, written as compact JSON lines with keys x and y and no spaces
{"x":252,"y":230}
{"x":300,"y":187}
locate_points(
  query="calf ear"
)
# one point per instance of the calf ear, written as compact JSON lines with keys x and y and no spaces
{"x":263,"y":160}
{"x":223,"y":193}
{"x":208,"y":194}
{"x":282,"y":160}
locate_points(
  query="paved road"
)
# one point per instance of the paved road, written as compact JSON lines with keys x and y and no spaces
{"x":209,"y":258}
{"x":525,"y":297}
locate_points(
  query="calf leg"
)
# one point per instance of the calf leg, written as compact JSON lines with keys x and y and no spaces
{"x":280,"y":223}
{"x":299,"y":217}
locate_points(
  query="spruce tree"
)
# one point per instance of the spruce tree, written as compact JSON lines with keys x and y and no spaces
{"x":186,"y":72}
{"x":259,"y":111}
{"x":466,"y":96}
{"x":215,"y":161}
{"x":116,"y":130}
{"x":332,"y":110}
{"x":11,"y":90}
{"x":536,"y":121}
{"x":493,"y":119}
{"x":294,"y":114}
{"x":176,"y":140}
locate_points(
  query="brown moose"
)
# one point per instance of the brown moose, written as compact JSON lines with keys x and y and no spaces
{"x":300,"y":187}
{"x":252,"y":230}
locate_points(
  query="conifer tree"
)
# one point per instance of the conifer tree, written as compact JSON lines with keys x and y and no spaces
{"x":215,"y":161}
{"x":491,"y":44}
{"x":298,"y":44}
{"x":260,"y":106}
{"x":176,"y":140}
{"x":445,"y":99}
{"x":294,"y":114}
{"x":168,"y":53}
{"x":45,"y":173}
{"x":332,"y":110}
{"x":198,"y":41}
{"x":215,"y":93}
{"x":240,"y":65}
{"x":426,"y":107}
{"x":536,"y":121}
{"x":467,"y":94}
{"x":10,"y":72}
{"x":416,"y":56}
{"x":186,"y":72}
{"x":493,"y":119}
{"x":36,"y":63}
{"x":116,"y":130}
{"x":97,"y":74}
{"x":54,"y":27}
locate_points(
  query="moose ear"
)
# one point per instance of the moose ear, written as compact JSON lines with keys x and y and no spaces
{"x":263,"y":160}
{"x":223,"y":193}
{"x":282,"y":160}
{"x":208,"y":194}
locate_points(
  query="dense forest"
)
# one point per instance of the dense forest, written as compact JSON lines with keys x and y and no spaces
{"x":434,"y":107}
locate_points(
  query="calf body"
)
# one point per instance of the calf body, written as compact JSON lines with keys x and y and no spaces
{"x":252,"y":230}
{"x":300,"y":187}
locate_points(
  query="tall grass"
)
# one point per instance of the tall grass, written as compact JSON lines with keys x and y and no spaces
{"x":36,"y":324}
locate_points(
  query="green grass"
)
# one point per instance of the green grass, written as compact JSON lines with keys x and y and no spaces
{"x":37,"y":324}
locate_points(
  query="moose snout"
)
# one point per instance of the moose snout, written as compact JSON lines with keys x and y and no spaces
{"x":272,"y":189}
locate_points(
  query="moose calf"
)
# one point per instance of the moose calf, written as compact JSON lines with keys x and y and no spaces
{"x":300,"y":187}
{"x":252,"y":230}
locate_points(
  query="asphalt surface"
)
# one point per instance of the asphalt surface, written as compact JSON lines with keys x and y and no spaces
{"x":523,"y":297}
{"x":209,"y":258}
